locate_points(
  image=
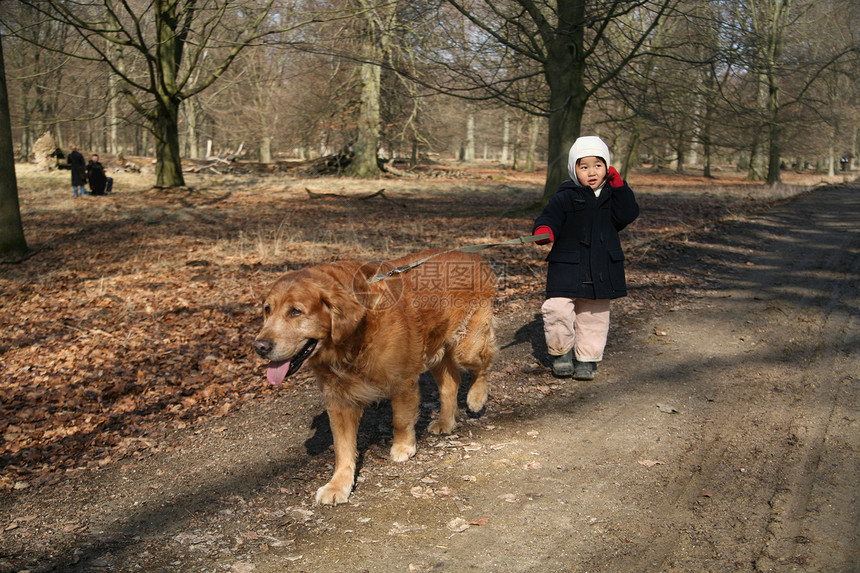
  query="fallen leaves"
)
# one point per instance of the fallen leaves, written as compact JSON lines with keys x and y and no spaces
{"x":401,"y":529}
{"x":74,"y":527}
{"x":419,"y":492}
{"x":94,"y":396}
{"x":133,"y":321}
{"x":459,"y":525}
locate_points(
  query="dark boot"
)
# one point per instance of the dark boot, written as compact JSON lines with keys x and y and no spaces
{"x":562,"y":366}
{"x":583,"y":370}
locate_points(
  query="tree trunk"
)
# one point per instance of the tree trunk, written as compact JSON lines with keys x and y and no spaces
{"x":105,"y":131}
{"x":364,"y":164}
{"x":853,"y":159}
{"x":774,"y":148}
{"x":680,"y":157}
{"x":191,"y":135}
{"x":777,"y":22}
{"x":165,"y":118}
{"x":145,"y":149}
{"x":374,"y":36}
{"x":168,"y":166}
{"x":754,"y":164}
{"x":705,"y":139}
{"x":517,"y":148}
{"x":13,"y":245}
{"x":114,"y":114}
{"x":706,"y":158}
{"x":506,"y":138}
{"x":26,"y":141}
{"x":565,"y":76}
{"x":567,"y":103}
{"x":531,"y":152}
{"x":266,"y":150}
{"x":632,"y":151}
{"x":469,"y":150}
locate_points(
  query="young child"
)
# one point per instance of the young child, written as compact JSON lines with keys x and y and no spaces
{"x":586,"y":264}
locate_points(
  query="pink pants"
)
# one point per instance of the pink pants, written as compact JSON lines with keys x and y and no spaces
{"x":578,"y":323}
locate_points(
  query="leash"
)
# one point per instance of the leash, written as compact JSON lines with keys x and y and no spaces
{"x":467,"y":249}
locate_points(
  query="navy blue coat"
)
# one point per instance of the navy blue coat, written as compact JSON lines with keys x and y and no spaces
{"x":586,"y":260}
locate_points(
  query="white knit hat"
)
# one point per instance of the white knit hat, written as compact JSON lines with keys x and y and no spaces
{"x":586,"y":146}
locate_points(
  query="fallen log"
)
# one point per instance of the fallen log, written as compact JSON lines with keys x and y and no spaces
{"x":381,"y":194}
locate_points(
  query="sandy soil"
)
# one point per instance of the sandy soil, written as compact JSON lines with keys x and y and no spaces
{"x":721,"y":433}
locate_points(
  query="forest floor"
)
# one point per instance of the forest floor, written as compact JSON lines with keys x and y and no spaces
{"x":721,"y":433}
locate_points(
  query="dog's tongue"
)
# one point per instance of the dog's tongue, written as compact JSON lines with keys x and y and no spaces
{"x":277,"y":371}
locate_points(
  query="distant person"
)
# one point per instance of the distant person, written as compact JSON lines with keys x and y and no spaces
{"x":77,"y":163}
{"x":100,"y":184}
{"x":586,"y":264}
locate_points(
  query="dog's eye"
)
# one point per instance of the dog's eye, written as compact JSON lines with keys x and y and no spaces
{"x":267,"y":310}
{"x":294,"y":312}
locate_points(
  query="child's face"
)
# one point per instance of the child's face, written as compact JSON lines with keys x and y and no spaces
{"x":591,"y":171}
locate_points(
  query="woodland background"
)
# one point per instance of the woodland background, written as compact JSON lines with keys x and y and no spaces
{"x":677,"y":84}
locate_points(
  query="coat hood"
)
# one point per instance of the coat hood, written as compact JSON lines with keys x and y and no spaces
{"x":586,"y":146}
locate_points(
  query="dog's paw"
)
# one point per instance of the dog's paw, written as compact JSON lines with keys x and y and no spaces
{"x":476,"y":399}
{"x":401,"y":452}
{"x":332,"y":494}
{"x":439,"y":427}
{"x":476,"y":414}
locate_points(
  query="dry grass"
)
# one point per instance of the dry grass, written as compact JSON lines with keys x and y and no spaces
{"x":269,"y":220}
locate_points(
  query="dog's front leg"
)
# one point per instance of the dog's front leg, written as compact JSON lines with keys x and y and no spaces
{"x":344,"y":428}
{"x":404,"y":406}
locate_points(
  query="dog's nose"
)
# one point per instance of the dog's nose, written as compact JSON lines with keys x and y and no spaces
{"x":263,"y":347}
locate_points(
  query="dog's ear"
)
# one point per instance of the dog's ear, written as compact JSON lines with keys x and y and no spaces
{"x":346,"y":312}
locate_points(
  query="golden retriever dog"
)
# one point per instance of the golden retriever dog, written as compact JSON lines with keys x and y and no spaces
{"x":366,"y":341}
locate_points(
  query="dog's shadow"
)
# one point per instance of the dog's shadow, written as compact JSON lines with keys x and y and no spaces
{"x":532,"y":333}
{"x":376,"y":429}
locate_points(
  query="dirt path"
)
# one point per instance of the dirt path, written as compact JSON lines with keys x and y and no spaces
{"x":722,"y":434}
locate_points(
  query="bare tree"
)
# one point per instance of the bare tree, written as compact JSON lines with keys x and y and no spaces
{"x":373,"y":22}
{"x":43,"y":84}
{"x":572,"y":44}
{"x":157,"y":46}
{"x":770,"y":20}
{"x":379,"y":47}
{"x":253,"y":101}
{"x":780,"y":69}
{"x":13,"y":245}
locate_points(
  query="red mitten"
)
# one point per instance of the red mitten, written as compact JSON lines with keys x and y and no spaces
{"x":614,"y":178}
{"x":540,"y":231}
